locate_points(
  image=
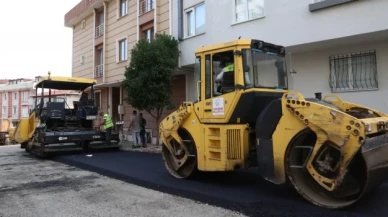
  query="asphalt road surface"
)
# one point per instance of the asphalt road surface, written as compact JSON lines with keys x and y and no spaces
{"x":242,"y":191}
{"x":32,"y":187}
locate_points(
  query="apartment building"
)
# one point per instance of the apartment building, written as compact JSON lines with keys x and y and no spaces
{"x":15,"y":100}
{"x":335,"y":46}
{"x":104,"y":33}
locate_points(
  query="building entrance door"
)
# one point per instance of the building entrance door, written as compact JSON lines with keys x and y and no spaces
{"x":115,"y":104}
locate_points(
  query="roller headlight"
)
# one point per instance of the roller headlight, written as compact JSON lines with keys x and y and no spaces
{"x":368,"y":128}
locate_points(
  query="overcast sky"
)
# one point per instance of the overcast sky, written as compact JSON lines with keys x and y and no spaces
{"x":33,"y":38}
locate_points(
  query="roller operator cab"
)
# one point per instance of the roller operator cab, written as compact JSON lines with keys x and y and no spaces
{"x":55,"y":126}
{"x":333,"y":152}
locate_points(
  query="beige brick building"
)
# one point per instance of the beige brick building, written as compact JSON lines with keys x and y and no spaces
{"x":104,"y":33}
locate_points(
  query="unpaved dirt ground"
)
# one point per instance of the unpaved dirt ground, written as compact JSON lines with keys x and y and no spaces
{"x":32,"y":187}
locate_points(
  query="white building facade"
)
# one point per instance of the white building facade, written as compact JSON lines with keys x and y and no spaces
{"x":335,"y":46}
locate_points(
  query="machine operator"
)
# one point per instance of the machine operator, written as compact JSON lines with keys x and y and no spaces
{"x":228,"y":66}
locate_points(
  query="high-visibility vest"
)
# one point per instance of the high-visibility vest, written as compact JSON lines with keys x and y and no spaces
{"x":108,"y":121}
{"x":229,"y":68}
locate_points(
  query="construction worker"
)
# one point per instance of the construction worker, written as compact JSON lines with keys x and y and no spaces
{"x":108,"y":125}
{"x":135,"y":127}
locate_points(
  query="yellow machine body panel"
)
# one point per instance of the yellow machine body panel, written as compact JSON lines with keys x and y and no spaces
{"x":209,"y":140}
{"x":11,"y":134}
{"x":26,"y":128}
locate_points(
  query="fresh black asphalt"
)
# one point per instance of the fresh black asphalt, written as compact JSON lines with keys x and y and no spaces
{"x":242,"y":191}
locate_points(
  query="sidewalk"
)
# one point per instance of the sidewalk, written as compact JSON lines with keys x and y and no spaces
{"x":127,"y":146}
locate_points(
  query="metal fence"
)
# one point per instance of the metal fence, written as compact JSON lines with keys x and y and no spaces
{"x":99,"y":71}
{"x":146,"y":6}
{"x":99,"y":30}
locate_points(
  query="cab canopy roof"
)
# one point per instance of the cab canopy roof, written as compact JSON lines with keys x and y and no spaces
{"x":65,"y":83}
{"x":247,"y":43}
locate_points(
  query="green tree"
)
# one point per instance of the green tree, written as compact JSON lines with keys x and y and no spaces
{"x":149,"y":76}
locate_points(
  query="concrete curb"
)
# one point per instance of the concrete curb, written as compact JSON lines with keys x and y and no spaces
{"x":127,"y":146}
{"x":154,"y":150}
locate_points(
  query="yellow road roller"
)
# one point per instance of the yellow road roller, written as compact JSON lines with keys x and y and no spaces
{"x":332,"y":151}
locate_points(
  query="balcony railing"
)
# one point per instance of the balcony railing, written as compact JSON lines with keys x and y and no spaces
{"x":146,"y":6}
{"x":100,"y":30}
{"x":24,"y":100}
{"x":99,"y":71}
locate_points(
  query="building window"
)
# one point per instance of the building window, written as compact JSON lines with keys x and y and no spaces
{"x":82,"y":59}
{"x":197,"y":77}
{"x":99,"y":31}
{"x":220,"y":62}
{"x":122,"y":50}
{"x":5,"y":110}
{"x":14,"y":111}
{"x":248,"y":10}
{"x":15,"y":96}
{"x":149,"y":34}
{"x":195,"y":20}
{"x":208,"y":78}
{"x":4,"y":96}
{"x":83,"y":24}
{"x":25,"y":97}
{"x":123,"y":7}
{"x":352,"y":72}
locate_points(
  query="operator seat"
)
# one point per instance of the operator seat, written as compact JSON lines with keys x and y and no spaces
{"x":83,"y":99}
{"x":227,"y":84}
{"x":56,"y":110}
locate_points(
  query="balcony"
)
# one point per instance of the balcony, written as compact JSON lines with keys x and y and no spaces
{"x":146,"y":6}
{"x":99,"y":71}
{"x":321,"y":4}
{"x":99,"y":30}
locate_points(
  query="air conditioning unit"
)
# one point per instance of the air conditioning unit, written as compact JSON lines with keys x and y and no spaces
{"x":121,"y":109}
{"x":83,"y":24}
